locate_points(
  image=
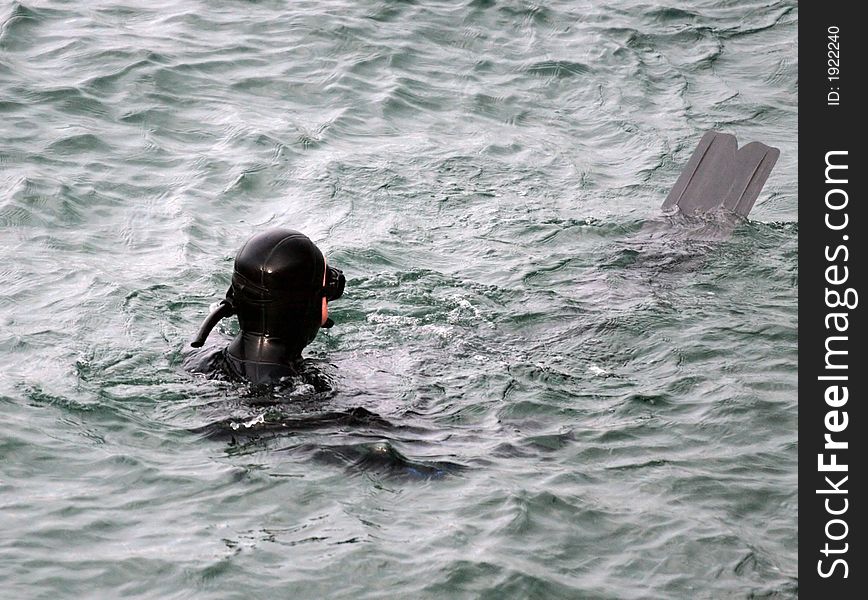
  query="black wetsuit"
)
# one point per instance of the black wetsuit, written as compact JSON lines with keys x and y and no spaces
{"x":219,"y":363}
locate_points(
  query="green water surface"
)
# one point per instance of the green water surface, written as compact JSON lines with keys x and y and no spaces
{"x":605,"y":409}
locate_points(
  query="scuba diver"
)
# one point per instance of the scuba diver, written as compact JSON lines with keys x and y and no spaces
{"x":280,"y":290}
{"x":281,"y":287}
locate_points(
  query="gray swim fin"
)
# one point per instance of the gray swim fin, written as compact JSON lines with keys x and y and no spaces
{"x":719,"y":175}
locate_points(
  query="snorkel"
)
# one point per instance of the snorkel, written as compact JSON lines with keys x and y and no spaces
{"x":223,"y":310}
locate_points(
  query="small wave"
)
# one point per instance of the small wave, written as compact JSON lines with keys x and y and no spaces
{"x":111,"y":81}
{"x":13,"y":27}
{"x":78,"y":144}
{"x":381,"y":458}
{"x":667,"y":14}
{"x":559,"y":69}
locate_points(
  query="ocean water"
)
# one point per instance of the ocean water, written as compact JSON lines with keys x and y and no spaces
{"x":541,"y":387}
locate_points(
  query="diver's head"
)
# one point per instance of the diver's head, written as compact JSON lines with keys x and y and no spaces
{"x":281,"y":286}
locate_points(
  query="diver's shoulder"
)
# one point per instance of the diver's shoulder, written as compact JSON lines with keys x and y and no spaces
{"x":209,"y":361}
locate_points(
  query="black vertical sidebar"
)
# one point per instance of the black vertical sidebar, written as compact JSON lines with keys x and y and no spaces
{"x":832,"y":373}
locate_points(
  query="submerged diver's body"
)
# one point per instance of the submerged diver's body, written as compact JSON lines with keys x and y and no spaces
{"x":281,"y":286}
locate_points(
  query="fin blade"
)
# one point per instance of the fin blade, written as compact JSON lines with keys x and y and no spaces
{"x":706,"y":153}
{"x":719,"y":174}
{"x":755,"y":164}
